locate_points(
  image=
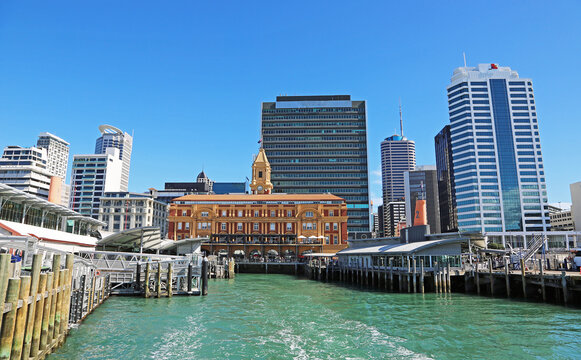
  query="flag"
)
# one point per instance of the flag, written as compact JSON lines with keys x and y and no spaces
{"x":259,"y":141}
{"x":493,"y":66}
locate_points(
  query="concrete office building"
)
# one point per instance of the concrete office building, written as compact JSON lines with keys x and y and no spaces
{"x":25,"y":169}
{"x":57,"y":151}
{"x":398,"y":155}
{"x":318,"y":144}
{"x":112,"y":137}
{"x":422,"y":184}
{"x":93,"y":175}
{"x":575,"y":189}
{"x":395,"y":218}
{"x":380,"y":220}
{"x":445,"y":177}
{"x":497,"y":160}
{"x":562,"y":221}
{"x":124,"y":210}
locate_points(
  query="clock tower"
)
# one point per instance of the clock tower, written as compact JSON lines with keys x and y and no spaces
{"x":261,"y":174}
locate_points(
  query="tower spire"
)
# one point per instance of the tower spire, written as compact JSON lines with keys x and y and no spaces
{"x":400,"y":119}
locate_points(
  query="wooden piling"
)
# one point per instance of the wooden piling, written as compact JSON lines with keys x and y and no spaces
{"x":491,"y":277}
{"x":204,"y":273}
{"x":46,"y":311}
{"x":507,"y":279}
{"x":408,"y":276}
{"x":35,"y":278}
{"x":146,"y":280}
{"x":58,"y":316}
{"x":138,"y":278}
{"x":385,"y":272}
{"x":400,"y":278}
{"x":158,"y":280}
{"x":189,"y":278}
{"x":4,"y":279}
{"x":169,"y":280}
{"x":391,"y":274}
{"x":414,"y":274}
{"x":422,"y":275}
{"x":38,"y":317}
{"x":477,"y":279}
{"x":523,"y":278}
{"x":7,"y":330}
{"x":541,"y":272}
{"x":17,"y":342}
{"x":436,"y":285}
{"x":443,"y":280}
{"x":564,"y":286}
{"x":449,"y":280}
{"x":69,"y":264}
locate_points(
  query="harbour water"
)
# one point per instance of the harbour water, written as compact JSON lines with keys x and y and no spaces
{"x":283,"y":317}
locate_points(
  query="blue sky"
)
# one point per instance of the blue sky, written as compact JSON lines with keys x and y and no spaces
{"x":188,"y":77}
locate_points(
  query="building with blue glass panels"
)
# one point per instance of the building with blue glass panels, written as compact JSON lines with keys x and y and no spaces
{"x":499,"y":178}
{"x":318,"y":144}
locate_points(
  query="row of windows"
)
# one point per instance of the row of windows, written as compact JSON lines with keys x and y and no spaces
{"x":310,"y":110}
{"x":316,"y":146}
{"x":315,"y":153}
{"x":332,"y":124}
{"x":362,"y":160}
{"x":314,"y":131}
{"x":319,"y":168}
{"x":314,"y":138}
{"x":320,"y":175}
{"x":314,"y":117}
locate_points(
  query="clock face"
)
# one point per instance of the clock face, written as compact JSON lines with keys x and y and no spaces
{"x":259,"y":188}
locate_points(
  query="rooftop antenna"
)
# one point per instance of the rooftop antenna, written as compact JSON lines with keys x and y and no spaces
{"x":400,"y":119}
{"x":464,"y":54}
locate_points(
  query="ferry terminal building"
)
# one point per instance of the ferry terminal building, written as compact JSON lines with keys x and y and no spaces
{"x":261,"y":223}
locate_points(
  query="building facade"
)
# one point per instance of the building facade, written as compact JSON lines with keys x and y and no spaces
{"x":92,"y":175}
{"x":261,"y":221}
{"x":562,"y":221}
{"x":422,"y":184}
{"x":25,"y":169}
{"x":497,"y":159}
{"x":446,"y":187}
{"x":124,"y":210}
{"x":395,"y":218}
{"x":398,"y":155}
{"x":112,"y":137}
{"x":575,"y":189}
{"x":57,"y":151}
{"x":318,"y":144}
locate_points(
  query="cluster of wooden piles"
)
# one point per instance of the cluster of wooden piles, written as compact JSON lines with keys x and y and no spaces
{"x":39,"y":303}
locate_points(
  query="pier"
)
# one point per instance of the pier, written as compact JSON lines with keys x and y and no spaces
{"x":46,"y":291}
{"x":531,"y":281}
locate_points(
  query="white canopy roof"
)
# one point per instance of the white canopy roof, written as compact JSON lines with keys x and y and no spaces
{"x":47,"y":235}
{"x":402,"y":249}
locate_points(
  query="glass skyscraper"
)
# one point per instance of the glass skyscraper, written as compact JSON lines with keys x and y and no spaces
{"x":445,"y":174}
{"x":318,"y":144}
{"x":497,"y":160}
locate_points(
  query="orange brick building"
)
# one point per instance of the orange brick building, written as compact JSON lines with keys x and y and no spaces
{"x":258,"y":222}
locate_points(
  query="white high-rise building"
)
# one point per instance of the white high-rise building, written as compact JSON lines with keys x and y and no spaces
{"x":497,"y":159}
{"x":57,"y":153}
{"x":398,"y":155}
{"x":112,"y":137}
{"x":93,"y":175}
{"x":25,"y":169}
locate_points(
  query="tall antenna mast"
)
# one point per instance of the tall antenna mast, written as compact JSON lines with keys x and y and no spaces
{"x":464,"y":54}
{"x":400,"y":119}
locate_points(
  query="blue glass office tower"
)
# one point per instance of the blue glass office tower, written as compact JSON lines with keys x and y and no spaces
{"x":499,"y":178}
{"x":318,"y":144}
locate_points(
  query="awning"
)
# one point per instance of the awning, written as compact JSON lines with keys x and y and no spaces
{"x":272,"y":252}
{"x":133,"y":239}
{"x":320,"y":255}
{"x":47,"y":235}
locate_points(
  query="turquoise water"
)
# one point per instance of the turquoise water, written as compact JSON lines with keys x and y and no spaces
{"x":283,"y":317}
